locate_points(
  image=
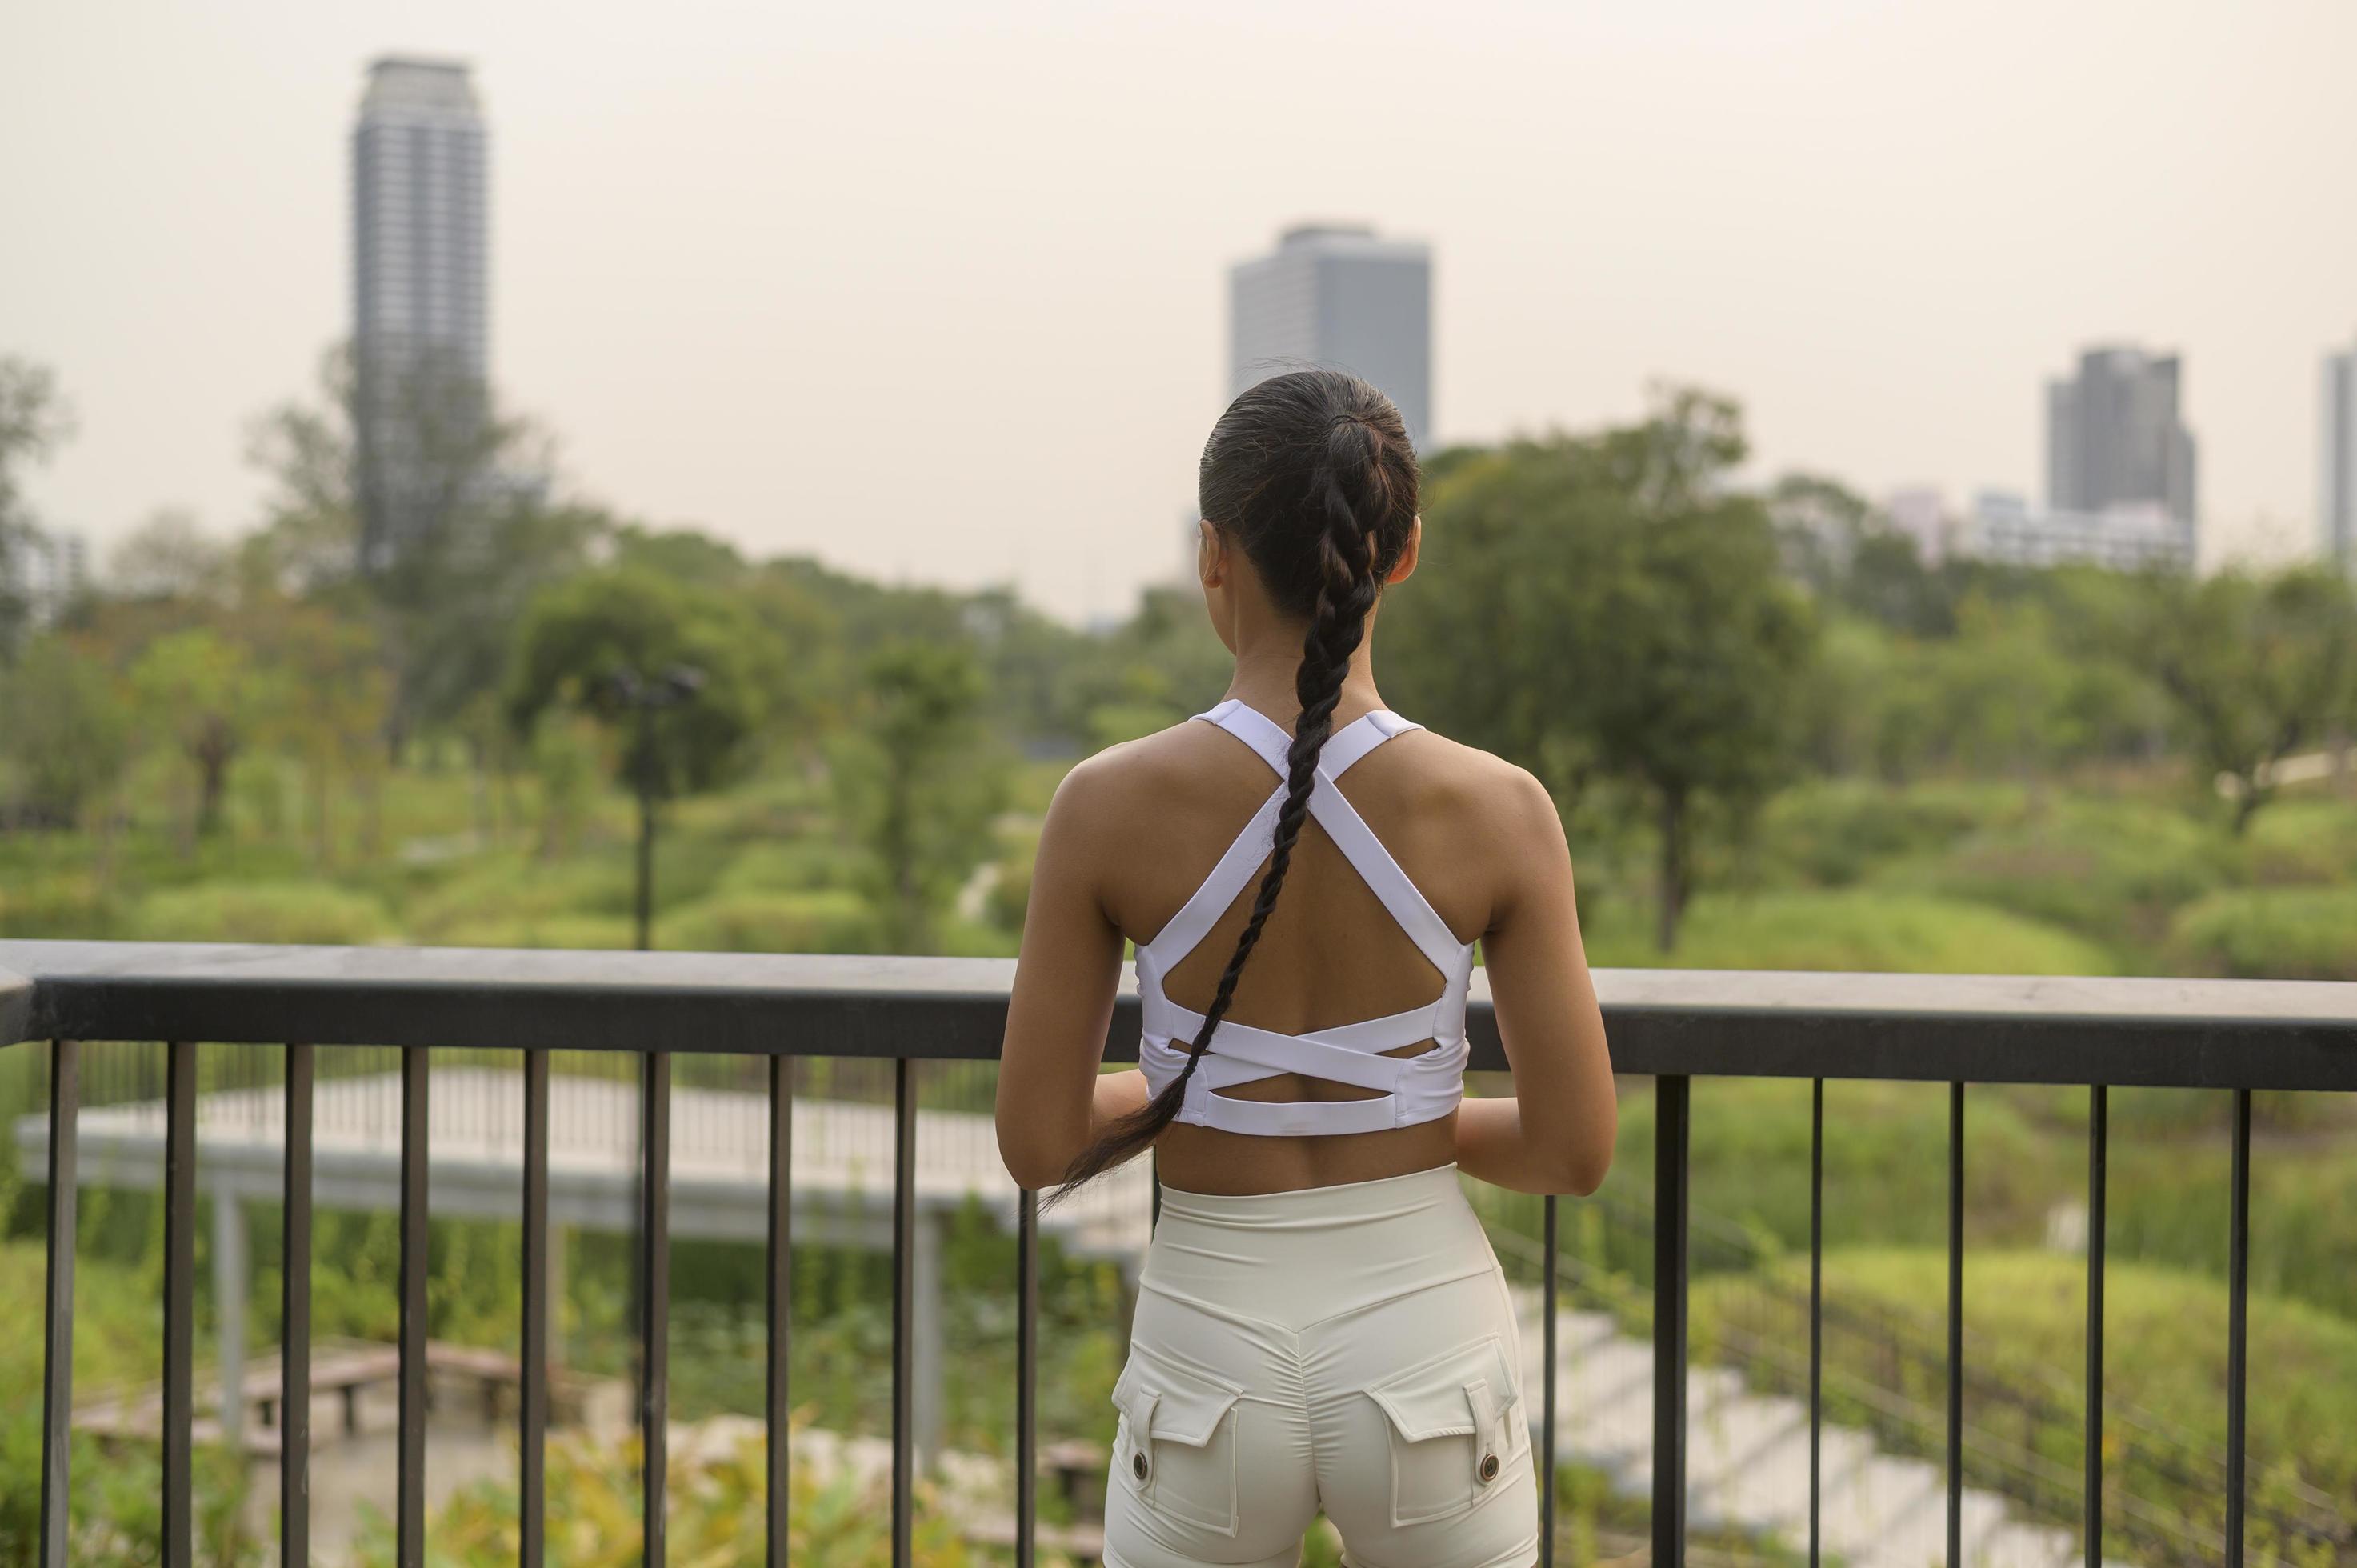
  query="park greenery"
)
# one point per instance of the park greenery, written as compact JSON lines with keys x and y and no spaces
{"x":1779,"y":736}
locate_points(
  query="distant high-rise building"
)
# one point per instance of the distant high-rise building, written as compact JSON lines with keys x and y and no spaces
{"x":1920,"y":512}
{"x":2337,"y":493}
{"x":420,"y":287}
{"x":2130,"y":537}
{"x":45,"y":572}
{"x":1336,"y":295}
{"x":2114,"y":438}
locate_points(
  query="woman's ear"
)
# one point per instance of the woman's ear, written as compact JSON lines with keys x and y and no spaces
{"x":1210,"y":555}
{"x":1403,"y":568}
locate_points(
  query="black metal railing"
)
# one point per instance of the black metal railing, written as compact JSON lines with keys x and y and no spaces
{"x":1672,"y":1026}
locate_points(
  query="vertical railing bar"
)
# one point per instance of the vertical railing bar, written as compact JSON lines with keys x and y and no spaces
{"x":781,"y":1265}
{"x":2098,"y":1155}
{"x":56,"y":1329}
{"x":1956,"y":1325}
{"x":1027,"y":1380}
{"x":1550,"y":1251}
{"x":1672,"y":1094}
{"x":2238,"y":1287}
{"x":179,"y":1298}
{"x":295,"y":1316}
{"x":409,"y":1502}
{"x":532,"y":1451}
{"x":904,"y":1245}
{"x":1816,"y":1310}
{"x":654,"y":1303}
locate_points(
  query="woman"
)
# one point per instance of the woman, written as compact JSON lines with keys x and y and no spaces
{"x":1320,"y":1321}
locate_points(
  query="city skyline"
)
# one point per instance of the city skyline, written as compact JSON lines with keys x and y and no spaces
{"x":421,"y":263}
{"x":2336,"y":452}
{"x":1340,"y":296}
{"x":733,"y":270}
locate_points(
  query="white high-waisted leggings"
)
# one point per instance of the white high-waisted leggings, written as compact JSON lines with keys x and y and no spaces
{"x":1351,"y":1348}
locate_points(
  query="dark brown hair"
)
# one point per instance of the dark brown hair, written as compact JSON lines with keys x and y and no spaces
{"x":1312,"y":475}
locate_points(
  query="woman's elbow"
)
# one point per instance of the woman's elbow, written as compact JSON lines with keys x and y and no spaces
{"x":1586,"y":1160}
{"x":1034,"y":1168}
{"x":1582,"y":1174}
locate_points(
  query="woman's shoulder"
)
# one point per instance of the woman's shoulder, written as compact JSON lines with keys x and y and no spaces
{"x":1140,"y":774}
{"x":1445,"y":773}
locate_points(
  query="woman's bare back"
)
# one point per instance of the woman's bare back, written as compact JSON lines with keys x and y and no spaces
{"x":1330,"y":953}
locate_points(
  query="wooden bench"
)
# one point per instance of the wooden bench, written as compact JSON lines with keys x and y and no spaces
{"x":349,"y":1370}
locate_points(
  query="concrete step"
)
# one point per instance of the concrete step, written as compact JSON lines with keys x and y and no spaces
{"x":1864,"y":1516}
{"x":1708,"y":1390}
{"x":1748,"y":1458}
{"x":1771,"y":1490}
{"x":2014,"y":1545}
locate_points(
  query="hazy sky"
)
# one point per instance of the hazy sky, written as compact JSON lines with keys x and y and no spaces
{"x":939,"y":291}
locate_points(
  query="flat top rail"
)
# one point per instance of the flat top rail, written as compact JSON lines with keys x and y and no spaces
{"x":2222,"y":1034}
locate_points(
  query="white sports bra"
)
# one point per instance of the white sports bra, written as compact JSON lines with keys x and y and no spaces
{"x":1415,"y":1089}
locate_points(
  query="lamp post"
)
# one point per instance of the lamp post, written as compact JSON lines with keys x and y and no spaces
{"x":645,"y":696}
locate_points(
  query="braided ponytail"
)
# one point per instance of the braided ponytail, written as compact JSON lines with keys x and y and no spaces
{"x":1350,"y":505}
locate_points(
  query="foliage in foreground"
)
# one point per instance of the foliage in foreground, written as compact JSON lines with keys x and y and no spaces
{"x":718,"y":1513}
{"x":2025,"y":1315}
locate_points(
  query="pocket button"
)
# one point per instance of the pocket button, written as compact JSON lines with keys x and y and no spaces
{"x":1489,"y":1469}
{"x":1138,"y":1466}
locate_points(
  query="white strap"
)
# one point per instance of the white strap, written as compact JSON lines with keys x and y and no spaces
{"x":1194,"y":921}
{"x":1382,"y":875}
{"x":1384,"y":878}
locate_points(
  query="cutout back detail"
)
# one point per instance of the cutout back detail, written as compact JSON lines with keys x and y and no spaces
{"x":1410,"y":1089}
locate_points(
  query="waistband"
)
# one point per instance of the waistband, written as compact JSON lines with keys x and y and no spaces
{"x":1382,"y":1198}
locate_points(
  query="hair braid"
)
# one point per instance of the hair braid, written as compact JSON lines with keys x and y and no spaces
{"x":1351,"y":496}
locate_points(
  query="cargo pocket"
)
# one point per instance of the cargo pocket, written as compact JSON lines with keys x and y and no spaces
{"x":1176,"y":1446}
{"x":1456,"y":1432}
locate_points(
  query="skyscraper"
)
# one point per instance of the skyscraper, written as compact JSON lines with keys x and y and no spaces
{"x":2114,"y":439}
{"x":2336,"y":508}
{"x":1335,"y":295}
{"x":420,"y":315}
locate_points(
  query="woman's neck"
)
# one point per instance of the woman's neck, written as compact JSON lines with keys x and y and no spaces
{"x":1266,"y":665}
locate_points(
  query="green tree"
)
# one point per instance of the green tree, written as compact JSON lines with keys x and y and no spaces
{"x":919,"y":781}
{"x":324,"y":692}
{"x":579,"y":635}
{"x":200,"y":688}
{"x":443,"y":604}
{"x":65,"y":731}
{"x":1631,"y":621}
{"x":2255,"y":668}
{"x":33,"y":420}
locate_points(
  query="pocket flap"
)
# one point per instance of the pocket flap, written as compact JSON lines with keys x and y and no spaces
{"x":1170,"y":1402}
{"x":1444,"y":1397}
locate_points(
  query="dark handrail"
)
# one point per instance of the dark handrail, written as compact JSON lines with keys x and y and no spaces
{"x":1672,"y":1025}
{"x":2183,"y":1034}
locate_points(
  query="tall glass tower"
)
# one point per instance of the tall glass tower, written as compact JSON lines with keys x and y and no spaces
{"x":2337,"y":488}
{"x":420,"y":313}
{"x":1336,"y":295}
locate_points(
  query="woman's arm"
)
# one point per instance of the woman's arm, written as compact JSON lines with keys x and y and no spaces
{"x":1555,"y":1134}
{"x":1052,"y":1102}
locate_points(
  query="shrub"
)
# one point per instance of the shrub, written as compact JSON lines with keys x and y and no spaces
{"x":1856,"y":929}
{"x":546,"y":930}
{"x":2272,"y":933}
{"x":260,"y":912}
{"x":835,"y":921}
{"x":813,"y":861}
{"x":56,"y":904}
{"x":2303,"y":840}
{"x":2110,"y":870}
{"x":1831,"y":832}
{"x":717,"y":1514}
{"x":2025,"y":1317}
{"x":511,"y":887}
